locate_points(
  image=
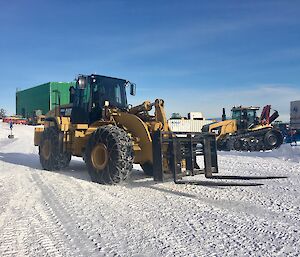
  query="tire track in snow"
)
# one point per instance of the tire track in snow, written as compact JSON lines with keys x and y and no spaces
{"x":78,"y":237}
{"x":169,"y":235}
{"x":244,"y":223}
{"x":129,"y":222}
{"x":27,"y":229}
{"x":186,"y":231}
{"x":280,"y":196}
{"x":13,"y":229}
{"x":104,"y":225}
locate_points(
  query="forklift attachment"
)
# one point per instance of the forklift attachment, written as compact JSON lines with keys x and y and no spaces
{"x":181,"y":150}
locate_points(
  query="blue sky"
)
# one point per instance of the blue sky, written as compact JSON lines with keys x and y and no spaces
{"x":196,"y":55}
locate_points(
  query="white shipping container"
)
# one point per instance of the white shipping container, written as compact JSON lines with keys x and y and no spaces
{"x":195,"y":116}
{"x":295,"y":114}
{"x":187,"y":125}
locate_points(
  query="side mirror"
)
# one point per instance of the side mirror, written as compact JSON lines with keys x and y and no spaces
{"x":132,"y":89}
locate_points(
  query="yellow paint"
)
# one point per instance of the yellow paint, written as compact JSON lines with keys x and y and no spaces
{"x":258,"y":127}
{"x":227,"y":127}
{"x":37,"y":135}
{"x":138,"y":129}
{"x":138,"y":123}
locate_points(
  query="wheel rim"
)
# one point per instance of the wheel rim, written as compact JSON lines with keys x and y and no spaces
{"x":99,"y":156}
{"x":272,"y":140}
{"x":46,"y":149}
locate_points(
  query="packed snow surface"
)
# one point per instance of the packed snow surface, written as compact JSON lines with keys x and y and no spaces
{"x":253,"y":210}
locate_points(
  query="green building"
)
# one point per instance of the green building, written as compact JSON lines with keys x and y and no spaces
{"x":42,"y":97}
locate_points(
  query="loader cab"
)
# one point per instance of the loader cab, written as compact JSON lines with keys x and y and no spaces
{"x":245,"y":117}
{"x":92,"y":92}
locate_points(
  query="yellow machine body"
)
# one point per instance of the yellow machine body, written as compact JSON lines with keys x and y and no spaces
{"x":76,"y":136}
{"x":111,"y":135}
{"x":228,"y":127}
{"x":245,"y":132}
{"x":223,"y":128}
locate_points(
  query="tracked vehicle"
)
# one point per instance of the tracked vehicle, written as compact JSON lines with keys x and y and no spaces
{"x":246,"y":131}
{"x":111,"y":135}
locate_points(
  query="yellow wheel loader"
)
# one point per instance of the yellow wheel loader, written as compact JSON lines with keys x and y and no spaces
{"x":246,"y":131}
{"x":111,"y":135}
{"x":37,"y":118}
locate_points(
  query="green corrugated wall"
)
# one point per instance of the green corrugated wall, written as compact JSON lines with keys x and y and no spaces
{"x":41,"y":97}
{"x":35,"y":98}
{"x":63,"y":88}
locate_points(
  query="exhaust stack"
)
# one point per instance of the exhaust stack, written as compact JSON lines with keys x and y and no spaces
{"x":223,"y":115}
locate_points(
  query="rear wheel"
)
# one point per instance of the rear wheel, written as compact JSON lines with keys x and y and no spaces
{"x":109,"y":155}
{"x":50,"y":156}
{"x":65,"y":160}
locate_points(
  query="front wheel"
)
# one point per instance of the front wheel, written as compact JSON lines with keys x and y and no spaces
{"x":109,"y":155}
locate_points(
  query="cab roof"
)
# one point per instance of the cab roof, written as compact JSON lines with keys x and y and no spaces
{"x":99,"y":76}
{"x":240,"y":108}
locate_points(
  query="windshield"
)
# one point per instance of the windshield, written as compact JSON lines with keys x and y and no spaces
{"x":251,"y":114}
{"x":99,"y":89}
{"x":236,"y":115}
{"x":245,"y":116}
{"x":109,"y":89}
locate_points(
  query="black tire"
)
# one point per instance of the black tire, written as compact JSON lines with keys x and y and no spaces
{"x":222,"y":145}
{"x":65,"y":160}
{"x":237,"y":145}
{"x":244,"y":145}
{"x":115,"y":156}
{"x":148,"y":169}
{"x":49,"y":152}
{"x":228,"y":145}
{"x":260,"y":145}
{"x":252,"y":144}
{"x":273,"y":139}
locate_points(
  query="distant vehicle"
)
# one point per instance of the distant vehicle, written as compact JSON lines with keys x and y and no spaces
{"x":37,"y":118}
{"x":246,"y":131}
{"x":15,"y":120}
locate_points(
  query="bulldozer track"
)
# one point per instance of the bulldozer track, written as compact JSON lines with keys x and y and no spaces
{"x":250,"y":141}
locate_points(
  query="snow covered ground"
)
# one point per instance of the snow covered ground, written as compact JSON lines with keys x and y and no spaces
{"x":255,"y":210}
